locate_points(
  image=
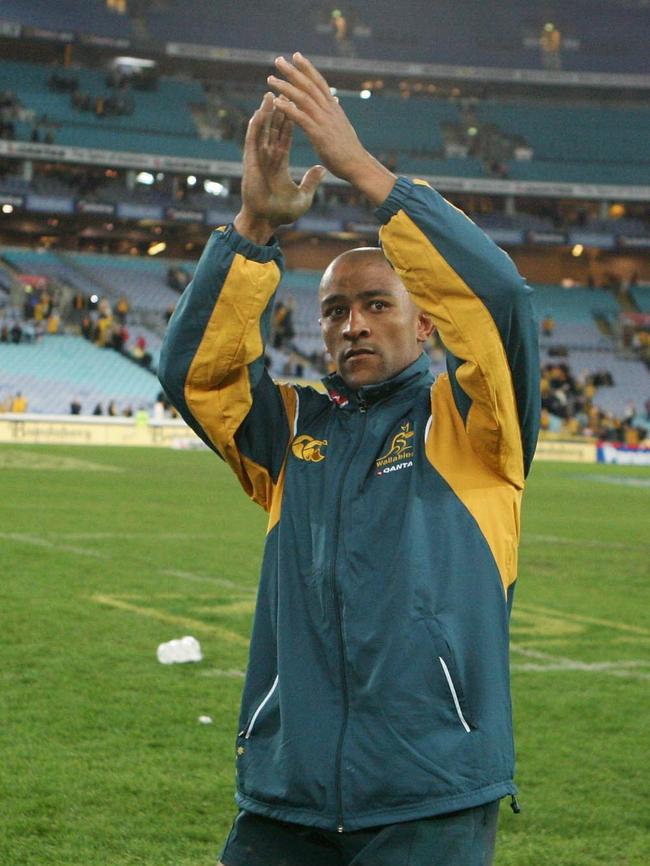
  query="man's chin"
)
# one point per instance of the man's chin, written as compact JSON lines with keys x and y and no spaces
{"x":356,"y":379}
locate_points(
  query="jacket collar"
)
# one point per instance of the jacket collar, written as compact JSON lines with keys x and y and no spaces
{"x":415,"y":374}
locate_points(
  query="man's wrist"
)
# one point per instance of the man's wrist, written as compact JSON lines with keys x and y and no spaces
{"x":255,"y":229}
{"x":372,"y":179}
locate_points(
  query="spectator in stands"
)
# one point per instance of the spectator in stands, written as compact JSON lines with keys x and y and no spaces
{"x":550,"y":42}
{"x":16,"y":332}
{"x":283,"y":329}
{"x":159,"y":409}
{"x":548,"y":325}
{"x":53,"y":322}
{"x":98,"y":410}
{"x":87,"y":327}
{"x":78,"y":306}
{"x":112,"y":409}
{"x":122,"y":309}
{"x":19,"y":403}
{"x":140,"y":353}
{"x":177,"y":278}
{"x":103,"y":330}
{"x":75,"y":406}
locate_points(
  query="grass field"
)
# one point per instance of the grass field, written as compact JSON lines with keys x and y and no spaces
{"x":107,"y":552}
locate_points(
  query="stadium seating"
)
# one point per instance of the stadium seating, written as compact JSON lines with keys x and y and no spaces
{"x":161,"y":121}
{"x":573,"y":142}
{"x":50,"y":373}
{"x":575,"y":305}
{"x":472,"y":33}
{"x":611,"y":39}
{"x":142,"y":280}
{"x":384,"y":124}
{"x":641,"y":296}
{"x":78,"y":16}
{"x":629,"y":374}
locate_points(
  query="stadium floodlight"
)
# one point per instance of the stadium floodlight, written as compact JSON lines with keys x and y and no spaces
{"x":191,"y":180}
{"x":94,"y":299}
{"x":145,"y":177}
{"x":136,"y":63}
{"x":213,"y":187}
{"x":156,"y":248}
{"x":577,"y":250}
{"x":7,"y":208}
{"x":365,"y":94}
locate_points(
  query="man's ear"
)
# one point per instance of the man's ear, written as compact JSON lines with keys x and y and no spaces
{"x":425,"y":327}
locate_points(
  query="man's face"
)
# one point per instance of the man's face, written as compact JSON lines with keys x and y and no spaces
{"x":371,"y":327}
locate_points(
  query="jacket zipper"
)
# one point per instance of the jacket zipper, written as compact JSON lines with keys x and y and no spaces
{"x":363,"y":408}
{"x":454,"y":694}
{"x":249,"y":730}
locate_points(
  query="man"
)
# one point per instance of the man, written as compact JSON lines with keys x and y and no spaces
{"x":375,"y":725}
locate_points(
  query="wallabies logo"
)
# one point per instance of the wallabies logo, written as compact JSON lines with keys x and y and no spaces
{"x":307,"y":448}
{"x":400,"y":454}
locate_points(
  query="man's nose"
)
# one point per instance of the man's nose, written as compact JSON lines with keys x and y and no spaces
{"x":356,"y":326}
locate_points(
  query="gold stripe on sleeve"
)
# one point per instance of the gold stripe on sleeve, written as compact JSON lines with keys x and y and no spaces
{"x":217,"y":387}
{"x":469,"y":332}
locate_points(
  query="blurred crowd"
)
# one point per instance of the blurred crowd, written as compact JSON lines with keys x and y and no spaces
{"x":570,"y":406}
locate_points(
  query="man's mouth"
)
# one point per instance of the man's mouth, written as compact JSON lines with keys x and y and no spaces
{"x":358,"y":352}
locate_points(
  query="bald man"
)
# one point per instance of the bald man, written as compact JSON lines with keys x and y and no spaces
{"x":375,"y":724}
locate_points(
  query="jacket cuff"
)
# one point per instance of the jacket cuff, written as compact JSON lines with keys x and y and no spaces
{"x":395,"y":200}
{"x":261,"y":253}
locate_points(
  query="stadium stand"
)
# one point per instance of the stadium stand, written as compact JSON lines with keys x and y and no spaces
{"x":161,"y":120}
{"x":641,"y":297}
{"x":78,"y":16}
{"x":53,"y":371}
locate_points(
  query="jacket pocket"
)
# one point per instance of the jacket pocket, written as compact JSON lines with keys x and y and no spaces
{"x":454,"y":694}
{"x":254,"y":719}
{"x":449,"y":673}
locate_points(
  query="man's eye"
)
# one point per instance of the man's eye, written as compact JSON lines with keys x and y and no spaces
{"x":335,"y":312}
{"x":379,"y":305}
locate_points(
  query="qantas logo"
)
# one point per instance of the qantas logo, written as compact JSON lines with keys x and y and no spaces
{"x":307,"y":448}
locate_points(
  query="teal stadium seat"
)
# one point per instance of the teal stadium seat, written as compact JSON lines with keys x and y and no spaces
{"x":52,"y":372}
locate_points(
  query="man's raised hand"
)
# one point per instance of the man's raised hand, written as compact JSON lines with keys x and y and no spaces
{"x":305,"y":98}
{"x":270,"y":197}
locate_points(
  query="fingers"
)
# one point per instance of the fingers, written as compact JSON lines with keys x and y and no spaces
{"x":285,"y":133}
{"x":312,"y":179}
{"x":308,"y":69}
{"x":269,"y":128}
{"x":303,"y":82}
{"x":259,"y":120}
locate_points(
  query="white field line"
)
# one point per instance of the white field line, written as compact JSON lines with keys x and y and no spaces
{"x":546,"y":662}
{"x":39,"y":541}
{"x":215,"y":581}
{"x":582,"y":542}
{"x":536,"y":609}
{"x":232,"y":673}
{"x":143,"y":534}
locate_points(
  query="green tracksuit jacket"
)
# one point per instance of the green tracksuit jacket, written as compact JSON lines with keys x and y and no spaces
{"x":377,"y":688}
